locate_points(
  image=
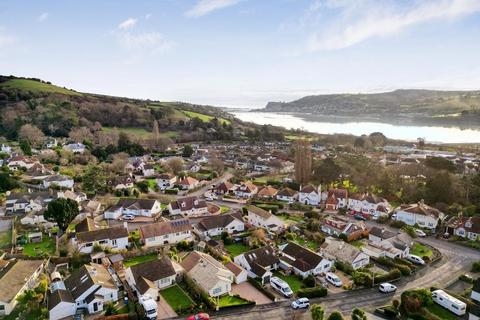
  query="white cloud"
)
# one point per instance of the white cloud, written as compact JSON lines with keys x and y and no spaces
{"x":127,"y":24}
{"x":43,"y":17}
{"x":152,"y":41}
{"x":204,"y":7}
{"x":360,"y":20}
{"x":148,"y":16}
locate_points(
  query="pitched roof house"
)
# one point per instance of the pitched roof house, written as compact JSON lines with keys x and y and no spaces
{"x":208,"y":273}
{"x":136,"y":207}
{"x":344,"y":252}
{"x":188,"y":183}
{"x":419,"y":213}
{"x":259,"y":262}
{"x":91,"y":287}
{"x":384,"y":243}
{"x":224,"y":188}
{"x":466,"y":227}
{"x":16,"y":277}
{"x":188,"y":207}
{"x":287,"y":194}
{"x":303,"y":261}
{"x":166,"y":232}
{"x":148,"y":277}
{"x":246,"y":190}
{"x":114,"y":238}
{"x":267,"y":192}
{"x":264,"y":219}
{"x":215,"y":225}
{"x":336,"y":226}
{"x":309,"y":195}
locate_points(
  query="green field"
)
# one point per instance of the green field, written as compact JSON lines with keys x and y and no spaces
{"x":293,"y":281}
{"x":177,"y":298}
{"x":204,"y":117}
{"x":224,"y":209}
{"x":47,"y":246}
{"x":230,"y":301}
{"x":236,"y":248}
{"x":136,"y":132}
{"x":273,"y":177}
{"x":420,"y":250}
{"x":36,"y":87}
{"x":141,"y":133}
{"x":139,"y":259}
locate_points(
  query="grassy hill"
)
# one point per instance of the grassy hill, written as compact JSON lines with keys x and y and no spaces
{"x":34,"y":86}
{"x":56,"y":110}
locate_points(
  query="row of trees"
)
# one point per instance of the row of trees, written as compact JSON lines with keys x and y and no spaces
{"x":436,"y":181}
{"x":318,"y":313}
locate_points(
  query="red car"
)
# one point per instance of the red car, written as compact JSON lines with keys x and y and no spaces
{"x":199,"y":316}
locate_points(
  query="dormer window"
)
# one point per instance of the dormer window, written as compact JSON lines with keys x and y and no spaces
{"x":183,"y":204}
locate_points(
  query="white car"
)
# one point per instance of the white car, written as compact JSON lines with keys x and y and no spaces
{"x":420,"y":233}
{"x":334,"y":279}
{"x":387,"y":287}
{"x":301,"y":303}
{"x":415,"y":259}
{"x":128,"y":217}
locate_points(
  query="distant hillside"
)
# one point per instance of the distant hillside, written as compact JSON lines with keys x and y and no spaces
{"x":59,"y":111}
{"x":439,"y":106}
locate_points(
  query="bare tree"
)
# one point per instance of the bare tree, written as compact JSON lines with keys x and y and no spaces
{"x":175,"y":164}
{"x":217,"y":165}
{"x":80,"y":134}
{"x":31,"y":133}
{"x":119,"y":162}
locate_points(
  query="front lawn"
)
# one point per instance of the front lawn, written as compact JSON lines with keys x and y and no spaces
{"x":236,"y":249}
{"x":420,"y":250}
{"x":6,"y":239}
{"x":441,"y":312}
{"x":177,"y":298}
{"x":224,"y":209}
{"x":293,"y":281}
{"x":46,"y":247}
{"x":230,"y":301}
{"x":139,"y":259}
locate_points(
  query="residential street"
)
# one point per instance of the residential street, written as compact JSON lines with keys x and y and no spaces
{"x":454,"y":262}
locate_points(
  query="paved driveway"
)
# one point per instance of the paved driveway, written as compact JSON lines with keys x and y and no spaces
{"x":249,"y":292}
{"x":164,"y":311}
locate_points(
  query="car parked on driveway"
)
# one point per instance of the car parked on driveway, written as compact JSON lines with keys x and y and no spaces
{"x":128,"y":217}
{"x":415,"y":259}
{"x":301,"y":303}
{"x":420,"y":233}
{"x":334,"y":279}
{"x":359,"y":217}
{"x":387,"y":287}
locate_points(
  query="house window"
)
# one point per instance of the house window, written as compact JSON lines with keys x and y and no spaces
{"x":89,"y":244}
{"x":102,"y":241}
{"x":217,"y":290}
{"x":114,"y":242}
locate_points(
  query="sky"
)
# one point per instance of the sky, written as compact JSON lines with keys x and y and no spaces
{"x":242,"y":53}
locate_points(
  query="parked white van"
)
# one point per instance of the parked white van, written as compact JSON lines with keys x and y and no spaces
{"x":281,"y":286}
{"x":448,"y":302}
{"x":387,"y":287}
{"x":415,"y":259}
{"x":334,"y":279}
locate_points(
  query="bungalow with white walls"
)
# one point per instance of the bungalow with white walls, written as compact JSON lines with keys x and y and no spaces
{"x":309,"y":195}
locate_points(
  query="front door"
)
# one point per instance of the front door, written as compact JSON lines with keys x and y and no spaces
{"x":95,"y":306}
